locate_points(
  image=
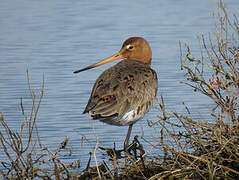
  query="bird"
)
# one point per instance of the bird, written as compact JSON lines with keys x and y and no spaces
{"x":125,"y":92}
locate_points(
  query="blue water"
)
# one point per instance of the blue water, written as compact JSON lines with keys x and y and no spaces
{"x":54,"y":38}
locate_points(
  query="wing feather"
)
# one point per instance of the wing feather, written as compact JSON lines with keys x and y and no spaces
{"x":120,"y":89}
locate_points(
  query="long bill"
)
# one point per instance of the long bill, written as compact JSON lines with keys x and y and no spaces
{"x":109,"y":59}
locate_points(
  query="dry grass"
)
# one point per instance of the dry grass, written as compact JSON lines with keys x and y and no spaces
{"x":27,"y":158}
{"x":191,"y":149}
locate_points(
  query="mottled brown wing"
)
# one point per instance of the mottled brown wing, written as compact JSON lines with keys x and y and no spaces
{"x":124,"y":87}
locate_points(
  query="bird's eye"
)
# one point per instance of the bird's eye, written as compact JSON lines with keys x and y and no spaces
{"x":130,"y":47}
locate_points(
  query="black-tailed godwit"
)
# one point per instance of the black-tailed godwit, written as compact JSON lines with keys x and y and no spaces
{"x":124,"y":93}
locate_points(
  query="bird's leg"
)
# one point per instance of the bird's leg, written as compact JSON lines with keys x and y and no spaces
{"x":126,"y":142}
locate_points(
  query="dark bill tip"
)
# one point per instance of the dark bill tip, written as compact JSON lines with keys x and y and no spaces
{"x":80,"y":70}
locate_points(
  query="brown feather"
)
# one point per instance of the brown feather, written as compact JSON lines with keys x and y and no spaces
{"x":126,"y":86}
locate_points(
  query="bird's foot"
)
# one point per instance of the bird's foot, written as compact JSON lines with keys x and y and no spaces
{"x":135,"y":149}
{"x":113,"y":152}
